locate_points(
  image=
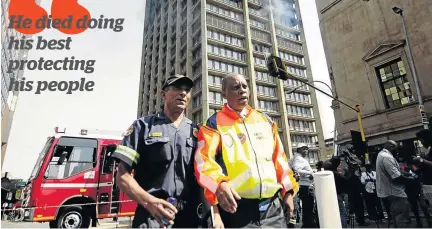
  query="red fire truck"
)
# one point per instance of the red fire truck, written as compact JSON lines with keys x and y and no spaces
{"x":73,"y":181}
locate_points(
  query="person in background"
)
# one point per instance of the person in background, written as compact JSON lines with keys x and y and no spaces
{"x":425,"y":163}
{"x":414,"y":192}
{"x":390,"y":184}
{"x":319,"y":165}
{"x":373,"y":203}
{"x":342,"y":185}
{"x":303,"y":168}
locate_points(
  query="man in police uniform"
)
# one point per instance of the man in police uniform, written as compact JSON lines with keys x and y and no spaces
{"x":159,"y":148}
{"x":241,"y":164}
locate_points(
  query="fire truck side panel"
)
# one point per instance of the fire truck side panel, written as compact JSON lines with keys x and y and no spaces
{"x":55,"y":192}
{"x":51,"y":190}
{"x":128,"y":207}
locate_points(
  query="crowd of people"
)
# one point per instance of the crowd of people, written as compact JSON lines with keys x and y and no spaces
{"x":235,"y":165}
{"x":396,"y":184}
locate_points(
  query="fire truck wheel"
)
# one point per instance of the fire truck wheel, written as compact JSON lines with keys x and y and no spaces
{"x":71,"y":217}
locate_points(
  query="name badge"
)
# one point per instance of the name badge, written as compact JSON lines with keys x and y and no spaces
{"x":156,"y":134}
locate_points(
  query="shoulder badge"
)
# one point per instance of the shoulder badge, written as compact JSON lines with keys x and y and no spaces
{"x":129,"y":131}
{"x":195,"y":132}
{"x":242,"y":137}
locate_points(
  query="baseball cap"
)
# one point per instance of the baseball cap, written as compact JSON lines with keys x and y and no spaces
{"x":302,"y":145}
{"x":178,"y":79}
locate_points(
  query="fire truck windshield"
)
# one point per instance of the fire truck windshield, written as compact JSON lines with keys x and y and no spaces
{"x":40,"y":160}
{"x":72,"y":156}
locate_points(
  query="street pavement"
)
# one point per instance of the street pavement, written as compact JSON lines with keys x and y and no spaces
{"x":126,"y":222}
{"x":123,"y":222}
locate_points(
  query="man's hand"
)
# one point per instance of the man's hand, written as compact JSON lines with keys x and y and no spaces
{"x":226,"y":197}
{"x":161,"y":210}
{"x":217,"y":220}
{"x":416,"y":160}
{"x":289,"y":201}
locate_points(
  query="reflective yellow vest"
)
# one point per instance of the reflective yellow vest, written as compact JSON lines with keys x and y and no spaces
{"x":244,"y":150}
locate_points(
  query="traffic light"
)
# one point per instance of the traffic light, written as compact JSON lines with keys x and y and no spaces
{"x":360,"y":147}
{"x":272,"y":67}
{"x":277,"y":68}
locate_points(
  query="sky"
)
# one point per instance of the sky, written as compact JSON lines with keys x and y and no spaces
{"x":116,"y":77}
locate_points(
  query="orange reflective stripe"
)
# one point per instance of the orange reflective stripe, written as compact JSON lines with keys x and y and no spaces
{"x":208,"y":172}
{"x":284,"y":173}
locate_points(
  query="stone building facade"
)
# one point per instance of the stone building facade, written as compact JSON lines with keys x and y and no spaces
{"x":369,"y":65}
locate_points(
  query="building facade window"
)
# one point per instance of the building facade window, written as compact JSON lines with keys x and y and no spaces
{"x":288,"y":34}
{"x":260,"y":61}
{"x":221,"y":51}
{"x":299,"y":97}
{"x":225,"y":67}
{"x":268,"y":106}
{"x":259,"y":24}
{"x":267,"y":91}
{"x":197,"y":117}
{"x":299,"y":111}
{"x":197,"y":85}
{"x":300,"y":125}
{"x":296,"y":83}
{"x":215,"y":80}
{"x":261,"y":48}
{"x":394,"y":84}
{"x":296,"y":71}
{"x":196,"y":101}
{"x":225,"y":38}
{"x":264,"y":76}
{"x":308,"y":140}
{"x":216,"y":98}
{"x":224,"y":12}
{"x":290,"y":57}
{"x":224,"y":24}
{"x":258,"y":12}
{"x":260,"y":35}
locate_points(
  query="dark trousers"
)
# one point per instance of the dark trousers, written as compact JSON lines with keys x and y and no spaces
{"x":356,"y":206}
{"x":342,"y":213}
{"x":248,"y":215}
{"x":185,"y":218}
{"x":374,"y":208}
{"x":417,"y":199}
{"x":399,"y":209}
{"x":307,"y":201}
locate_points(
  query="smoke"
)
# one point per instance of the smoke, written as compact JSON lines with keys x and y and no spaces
{"x":281,"y":9}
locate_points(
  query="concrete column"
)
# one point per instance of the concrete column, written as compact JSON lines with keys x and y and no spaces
{"x":204,"y":62}
{"x":285,"y":134}
{"x":253,"y":99}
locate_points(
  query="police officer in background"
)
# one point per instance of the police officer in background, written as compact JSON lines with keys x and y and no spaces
{"x":160,"y":149}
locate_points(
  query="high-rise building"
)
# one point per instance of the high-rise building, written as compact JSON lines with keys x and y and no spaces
{"x":8,"y":98}
{"x":367,"y":54}
{"x":207,"y":39}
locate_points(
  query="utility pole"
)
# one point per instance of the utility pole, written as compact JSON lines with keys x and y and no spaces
{"x":423,"y":116}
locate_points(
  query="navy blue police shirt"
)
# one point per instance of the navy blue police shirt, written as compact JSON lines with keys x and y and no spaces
{"x":162,"y":156}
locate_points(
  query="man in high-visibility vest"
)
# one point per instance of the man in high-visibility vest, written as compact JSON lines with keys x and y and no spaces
{"x":241,"y":164}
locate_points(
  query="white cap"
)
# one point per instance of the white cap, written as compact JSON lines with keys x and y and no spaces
{"x":301,"y":145}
